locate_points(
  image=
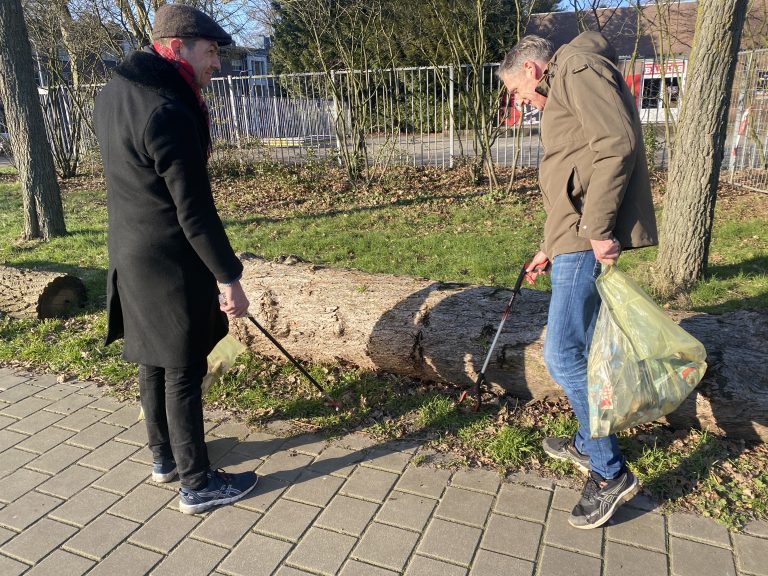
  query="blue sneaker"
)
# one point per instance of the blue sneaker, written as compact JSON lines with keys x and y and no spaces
{"x":222,"y":488}
{"x":163,"y":470}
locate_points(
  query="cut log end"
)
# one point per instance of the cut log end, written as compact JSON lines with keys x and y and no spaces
{"x":65,"y":296}
{"x":38,"y":295}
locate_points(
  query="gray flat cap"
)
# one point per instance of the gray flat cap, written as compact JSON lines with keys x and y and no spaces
{"x":181,"y":21}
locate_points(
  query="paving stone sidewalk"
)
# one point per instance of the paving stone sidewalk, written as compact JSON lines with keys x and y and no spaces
{"x":75,"y":498}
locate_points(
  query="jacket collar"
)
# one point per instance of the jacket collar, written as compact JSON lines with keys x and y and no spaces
{"x":147,"y":69}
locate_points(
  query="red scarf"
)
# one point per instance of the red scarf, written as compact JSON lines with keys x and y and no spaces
{"x":188,"y":73}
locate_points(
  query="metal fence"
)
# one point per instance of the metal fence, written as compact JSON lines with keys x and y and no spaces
{"x":745,"y":162}
{"x":428,"y":116}
{"x":417,"y":116}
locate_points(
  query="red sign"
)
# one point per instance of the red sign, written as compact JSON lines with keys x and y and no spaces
{"x":673,"y":68}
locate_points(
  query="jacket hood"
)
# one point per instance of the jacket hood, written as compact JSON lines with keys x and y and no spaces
{"x":585,"y":43}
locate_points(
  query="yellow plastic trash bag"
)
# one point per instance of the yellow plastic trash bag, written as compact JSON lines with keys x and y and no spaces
{"x":221,"y":359}
{"x":642,"y":365}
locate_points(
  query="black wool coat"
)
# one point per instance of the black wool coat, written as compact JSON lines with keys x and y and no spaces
{"x":167,"y":245}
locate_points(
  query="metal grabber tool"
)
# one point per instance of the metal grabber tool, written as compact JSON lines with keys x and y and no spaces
{"x":481,"y":376}
{"x":295,"y":362}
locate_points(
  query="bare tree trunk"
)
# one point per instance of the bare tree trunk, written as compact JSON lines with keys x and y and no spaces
{"x":694,"y":171}
{"x":441,"y":332}
{"x":43,"y":212}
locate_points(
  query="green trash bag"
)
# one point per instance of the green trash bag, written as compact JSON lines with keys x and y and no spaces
{"x":642,"y":365}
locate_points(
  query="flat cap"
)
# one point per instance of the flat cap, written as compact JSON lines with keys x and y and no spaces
{"x":181,"y":21}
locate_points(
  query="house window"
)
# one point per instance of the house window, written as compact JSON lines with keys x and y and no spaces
{"x":237,"y":65}
{"x":257,"y":67}
{"x":653,"y":97}
{"x":762,"y":79}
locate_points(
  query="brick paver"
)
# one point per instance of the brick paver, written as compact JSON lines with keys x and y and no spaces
{"x":423,"y":566}
{"x":449,"y":541}
{"x":76,"y":498}
{"x":288,"y":519}
{"x":38,"y":540}
{"x":225,"y":526}
{"x":61,"y":563}
{"x":101,"y":536}
{"x":693,"y":559}
{"x":386,"y":546}
{"x":347,"y":515}
{"x":142,"y":503}
{"x":84,"y":507}
{"x":127,"y":560}
{"x":321,"y":551}
{"x":751,"y":554}
{"x":165,"y":530}
{"x":244,"y":562}
{"x":489,"y":563}
{"x":369,"y":484}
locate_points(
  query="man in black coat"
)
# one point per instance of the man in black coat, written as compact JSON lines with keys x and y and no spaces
{"x":167,"y":245}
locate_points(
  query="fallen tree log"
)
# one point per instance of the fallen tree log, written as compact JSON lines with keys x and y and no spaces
{"x":35,"y":294}
{"x":441,"y":331}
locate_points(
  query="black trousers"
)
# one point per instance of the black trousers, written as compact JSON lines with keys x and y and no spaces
{"x":173,"y":411}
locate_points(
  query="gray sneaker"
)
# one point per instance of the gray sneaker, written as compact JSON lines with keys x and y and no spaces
{"x":600,"y":498}
{"x":565,"y":449}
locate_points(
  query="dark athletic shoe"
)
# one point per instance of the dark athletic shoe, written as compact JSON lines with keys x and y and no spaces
{"x":601,"y":498}
{"x":222,"y":488}
{"x":565,"y":449}
{"x":163,"y":470}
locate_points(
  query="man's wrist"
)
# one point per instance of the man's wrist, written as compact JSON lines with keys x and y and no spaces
{"x":231,"y":282}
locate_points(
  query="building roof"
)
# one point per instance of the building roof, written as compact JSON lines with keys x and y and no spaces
{"x":676,"y":19}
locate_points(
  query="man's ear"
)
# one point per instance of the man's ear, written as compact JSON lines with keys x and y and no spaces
{"x":532,"y":69}
{"x":175,"y":44}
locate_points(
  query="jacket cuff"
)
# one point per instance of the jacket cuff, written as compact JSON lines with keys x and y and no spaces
{"x":231,"y":281}
{"x":593,"y":232}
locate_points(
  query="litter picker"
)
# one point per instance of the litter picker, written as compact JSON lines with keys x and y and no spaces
{"x":481,"y":376}
{"x":295,"y":362}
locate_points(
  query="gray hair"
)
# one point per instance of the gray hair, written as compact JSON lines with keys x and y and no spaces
{"x":530,"y":47}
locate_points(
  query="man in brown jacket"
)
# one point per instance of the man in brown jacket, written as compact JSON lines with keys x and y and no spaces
{"x":597,"y":195}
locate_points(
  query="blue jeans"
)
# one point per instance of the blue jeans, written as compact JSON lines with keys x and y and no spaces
{"x":572,"y":314}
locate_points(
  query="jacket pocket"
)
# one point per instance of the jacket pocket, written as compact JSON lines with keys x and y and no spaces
{"x":574,"y":191}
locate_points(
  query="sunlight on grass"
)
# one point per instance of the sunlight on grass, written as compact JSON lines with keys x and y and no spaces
{"x":442,"y":232}
{"x":513,"y":445}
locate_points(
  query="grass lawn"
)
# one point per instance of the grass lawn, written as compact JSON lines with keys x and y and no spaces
{"x":426,"y":223}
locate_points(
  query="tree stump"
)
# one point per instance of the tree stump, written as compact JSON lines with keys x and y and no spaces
{"x":38,"y":295}
{"x":441,"y":332}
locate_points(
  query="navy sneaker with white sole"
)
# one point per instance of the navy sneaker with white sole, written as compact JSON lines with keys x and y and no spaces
{"x":222,"y":488}
{"x":164,"y":470}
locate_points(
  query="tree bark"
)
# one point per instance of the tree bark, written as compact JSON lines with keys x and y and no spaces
{"x":694,"y":170}
{"x":43,"y":212}
{"x":441,"y":332}
{"x":39,"y":295}
{"x":414,"y":327}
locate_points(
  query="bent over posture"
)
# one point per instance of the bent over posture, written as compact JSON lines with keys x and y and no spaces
{"x":597,"y":195}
